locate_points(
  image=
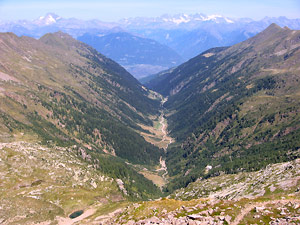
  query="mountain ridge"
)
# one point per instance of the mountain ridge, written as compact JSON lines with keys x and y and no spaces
{"x":187,"y":38}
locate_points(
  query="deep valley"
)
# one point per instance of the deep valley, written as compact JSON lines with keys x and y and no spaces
{"x":215,"y":140}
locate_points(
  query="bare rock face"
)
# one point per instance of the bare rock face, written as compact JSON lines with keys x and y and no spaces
{"x":121,"y":186}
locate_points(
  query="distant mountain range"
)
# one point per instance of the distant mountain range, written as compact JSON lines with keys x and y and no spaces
{"x":186,"y":35}
{"x":140,"y":56}
{"x":194,"y":21}
{"x":174,"y":21}
{"x":53,"y":23}
{"x":189,"y":35}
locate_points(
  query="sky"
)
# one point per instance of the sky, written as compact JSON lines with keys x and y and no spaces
{"x":113,"y":10}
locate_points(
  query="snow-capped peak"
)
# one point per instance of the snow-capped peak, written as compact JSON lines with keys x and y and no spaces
{"x":212,"y":17}
{"x":192,"y":20}
{"x":49,"y":19}
{"x":216,"y":18}
{"x":184,"y":18}
{"x":177,"y":19}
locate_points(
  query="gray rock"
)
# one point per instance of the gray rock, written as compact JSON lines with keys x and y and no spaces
{"x":222,"y":218}
{"x":192,"y":222}
{"x":195,"y":217}
{"x":228,"y":219}
{"x":211,"y":211}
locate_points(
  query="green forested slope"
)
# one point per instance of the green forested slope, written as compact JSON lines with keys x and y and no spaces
{"x":59,"y":90}
{"x":234,"y":108}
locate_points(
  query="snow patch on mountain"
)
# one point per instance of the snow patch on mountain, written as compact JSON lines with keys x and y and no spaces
{"x":178,"y":19}
{"x":184,"y":18}
{"x":212,"y":17}
{"x":217,"y":18}
{"x":228,"y":20}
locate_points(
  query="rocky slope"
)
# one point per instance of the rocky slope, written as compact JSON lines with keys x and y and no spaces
{"x":275,"y":178}
{"x":268,"y":196}
{"x":51,"y":183}
{"x":47,"y":184}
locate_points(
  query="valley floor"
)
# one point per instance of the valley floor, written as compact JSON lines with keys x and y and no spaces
{"x":158,"y":136}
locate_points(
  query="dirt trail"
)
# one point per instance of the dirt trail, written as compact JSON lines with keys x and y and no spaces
{"x":249,"y":207}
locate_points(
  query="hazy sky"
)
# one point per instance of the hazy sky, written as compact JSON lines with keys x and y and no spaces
{"x":113,"y":10}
